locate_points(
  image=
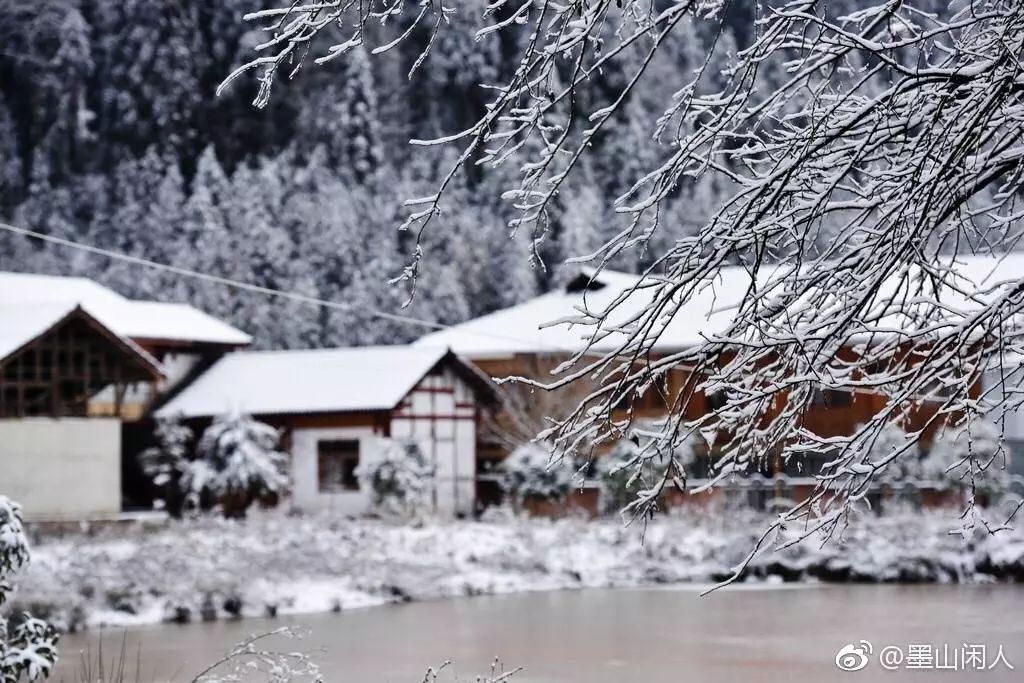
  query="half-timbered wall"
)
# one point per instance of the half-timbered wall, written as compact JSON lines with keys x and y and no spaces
{"x":440,"y":414}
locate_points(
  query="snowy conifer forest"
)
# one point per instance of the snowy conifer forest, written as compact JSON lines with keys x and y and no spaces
{"x":110,"y":134}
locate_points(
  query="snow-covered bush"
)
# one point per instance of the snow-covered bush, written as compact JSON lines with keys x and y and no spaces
{"x":399,"y":479}
{"x":239,"y":464}
{"x":894,"y":470}
{"x":529,"y":473}
{"x":635,"y":465}
{"x":969,"y":454}
{"x":165,"y":463}
{"x":28,"y":647}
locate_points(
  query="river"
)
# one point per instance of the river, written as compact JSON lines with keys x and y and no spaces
{"x":784,"y":633}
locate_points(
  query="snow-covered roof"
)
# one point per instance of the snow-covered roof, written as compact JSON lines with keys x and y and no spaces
{"x":24,"y":323}
{"x":140,"y":320}
{"x":534,"y":326}
{"x":528,"y":328}
{"x":360,"y":379}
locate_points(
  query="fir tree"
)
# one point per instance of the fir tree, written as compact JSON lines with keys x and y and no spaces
{"x":10,"y":161}
{"x":238,"y":464}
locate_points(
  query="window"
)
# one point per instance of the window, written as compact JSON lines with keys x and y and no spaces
{"x":336,"y":465}
{"x":716,"y":400}
{"x":831,"y":398}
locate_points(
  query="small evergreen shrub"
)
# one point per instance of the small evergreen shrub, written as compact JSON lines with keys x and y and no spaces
{"x":530,"y":473}
{"x":238,"y":464}
{"x":399,"y":480}
{"x":28,"y":646}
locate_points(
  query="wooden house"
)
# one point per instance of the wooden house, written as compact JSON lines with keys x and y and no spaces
{"x":527,"y":340}
{"x":97,"y":408}
{"x":337,"y":408}
{"x":182,"y":339}
{"x":60,"y":451}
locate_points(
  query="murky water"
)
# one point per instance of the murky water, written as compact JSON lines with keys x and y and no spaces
{"x":768,"y":634}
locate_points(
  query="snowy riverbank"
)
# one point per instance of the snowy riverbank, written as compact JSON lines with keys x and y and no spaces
{"x":274,"y":564}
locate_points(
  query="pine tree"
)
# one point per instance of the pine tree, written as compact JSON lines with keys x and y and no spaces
{"x":356,"y":142}
{"x":369,"y":292}
{"x":45,"y":84}
{"x":166,"y":462}
{"x":582,"y":222}
{"x":238,"y":464}
{"x":149,"y":55}
{"x":135,"y":184}
{"x":28,"y":647}
{"x":454,"y":72}
{"x":266,"y":256}
{"x":10,"y":161}
{"x":343,"y":119}
{"x":204,"y":243}
{"x":47,"y":209}
{"x":442,"y":295}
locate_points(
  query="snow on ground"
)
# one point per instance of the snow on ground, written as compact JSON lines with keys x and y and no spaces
{"x":278,"y":564}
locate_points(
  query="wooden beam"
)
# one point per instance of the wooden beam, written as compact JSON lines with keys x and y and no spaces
{"x":55,"y":378}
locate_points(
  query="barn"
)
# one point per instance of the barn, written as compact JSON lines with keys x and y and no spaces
{"x":339,"y":407}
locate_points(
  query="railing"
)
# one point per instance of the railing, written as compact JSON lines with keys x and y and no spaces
{"x":782,"y":492}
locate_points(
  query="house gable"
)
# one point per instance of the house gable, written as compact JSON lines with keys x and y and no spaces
{"x":62,"y":360}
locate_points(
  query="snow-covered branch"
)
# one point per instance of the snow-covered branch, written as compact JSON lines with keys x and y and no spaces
{"x":891,"y":144}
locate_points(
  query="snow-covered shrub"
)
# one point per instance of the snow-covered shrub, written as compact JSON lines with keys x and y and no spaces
{"x":28,"y":647}
{"x":239,"y":464}
{"x":165,"y":463}
{"x":399,"y":479}
{"x":529,"y":473}
{"x":630,"y":468}
{"x":903,"y":468}
{"x":974,"y":452}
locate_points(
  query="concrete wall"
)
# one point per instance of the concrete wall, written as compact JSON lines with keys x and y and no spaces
{"x":64,"y":468}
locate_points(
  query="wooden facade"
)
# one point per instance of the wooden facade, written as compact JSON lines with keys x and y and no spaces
{"x":831,"y":413}
{"x":58,"y":373}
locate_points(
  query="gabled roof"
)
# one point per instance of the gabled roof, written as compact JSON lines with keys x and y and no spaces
{"x":23,"y":324}
{"x":360,"y":379}
{"x":539,"y":325}
{"x":140,"y":320}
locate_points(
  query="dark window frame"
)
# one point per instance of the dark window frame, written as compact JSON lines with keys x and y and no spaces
{"x":336,"y":463}
{"x":831,"y":398}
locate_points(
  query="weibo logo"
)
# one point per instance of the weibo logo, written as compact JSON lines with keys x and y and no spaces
{"x":853,"y":657}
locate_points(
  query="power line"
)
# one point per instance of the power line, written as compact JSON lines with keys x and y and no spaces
{"x":238,"y":284}
{"x":229,"y":282}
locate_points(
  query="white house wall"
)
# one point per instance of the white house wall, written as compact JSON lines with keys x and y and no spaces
{"x":440,"y":415}
{"x":306,"y":494}
{"x":62,"y":468}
